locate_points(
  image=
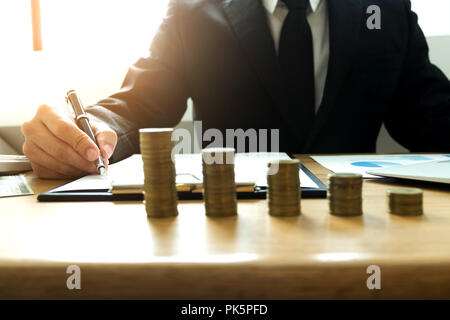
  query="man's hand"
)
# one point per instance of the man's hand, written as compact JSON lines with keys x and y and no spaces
{"x":58,"y":149}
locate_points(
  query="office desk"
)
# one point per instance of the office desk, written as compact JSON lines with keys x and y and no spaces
{"x":123,"y":254}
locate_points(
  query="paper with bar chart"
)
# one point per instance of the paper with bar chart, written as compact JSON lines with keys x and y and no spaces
{"x":363,"y":163}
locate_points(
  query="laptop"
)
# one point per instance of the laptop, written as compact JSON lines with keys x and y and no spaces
{"x":10,"y":164}
{"x":432,"y":171}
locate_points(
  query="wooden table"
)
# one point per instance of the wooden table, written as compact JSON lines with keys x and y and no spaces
{"x":123,"y":254}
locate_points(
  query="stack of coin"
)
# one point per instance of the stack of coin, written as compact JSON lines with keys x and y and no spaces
{"x":405,"y":201}
{"x":284,"y":191}
{"x":345,"y":194}
{"x":160,"y":193}
{"x":219,"y":188}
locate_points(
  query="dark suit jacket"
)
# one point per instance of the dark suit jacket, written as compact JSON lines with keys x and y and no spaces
{"x":221,"y":54}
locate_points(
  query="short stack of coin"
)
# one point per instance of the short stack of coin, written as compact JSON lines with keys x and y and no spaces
{"x":405,"y":201}
{"x":160,"y":193}
{"x":345,"y":194}
{"x":284,"y":193}
{"x":219,"y":187}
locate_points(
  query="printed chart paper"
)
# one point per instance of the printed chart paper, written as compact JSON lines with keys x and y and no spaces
{"x":363,"y":163}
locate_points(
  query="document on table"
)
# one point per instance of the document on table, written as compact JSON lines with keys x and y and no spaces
{"x":363,"y":163}
{"x":431,"y":171}
{"x":11,"y":186}
{"x":249,"y":167}
{"x":88,"y":183}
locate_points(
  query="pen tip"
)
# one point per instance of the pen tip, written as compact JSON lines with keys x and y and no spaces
{"x":102,"y":171}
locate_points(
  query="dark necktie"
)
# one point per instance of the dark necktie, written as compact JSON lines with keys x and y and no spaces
{"x":297,"y":65}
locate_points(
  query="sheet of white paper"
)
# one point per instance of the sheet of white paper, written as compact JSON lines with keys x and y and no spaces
{"x":434,"y":171}
{"x":249,"y":167}
{"x":91,"y":182}
{"x":363,"y":163}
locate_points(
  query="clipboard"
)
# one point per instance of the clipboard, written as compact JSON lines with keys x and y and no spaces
{"x":106,"y":195}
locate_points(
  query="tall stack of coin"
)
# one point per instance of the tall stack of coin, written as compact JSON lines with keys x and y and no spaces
{"x":219,"y":188}
{"x":160,"y":193}
{"x":405,"y":201}
{"x":345,"y":194}
{"x":284,"y":191}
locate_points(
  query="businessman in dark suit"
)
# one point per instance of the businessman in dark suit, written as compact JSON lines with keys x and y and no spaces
{"x":318,"y":70}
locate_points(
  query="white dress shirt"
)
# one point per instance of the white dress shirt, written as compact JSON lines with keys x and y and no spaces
{"x":318,"y":21}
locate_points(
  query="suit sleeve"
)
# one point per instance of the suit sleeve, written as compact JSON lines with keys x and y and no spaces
{"x":419,"y":117}
{"x":154,"y":91}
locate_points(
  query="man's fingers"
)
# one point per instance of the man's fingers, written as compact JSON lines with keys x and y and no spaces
{"x":43,"y":160}
{"x":75,"y":137}
{"x":66,"y":130}
{"x":45,"y":173}
{"x":57,"y":148}
{"x":40,"y":136}
{"x":106,"y":139}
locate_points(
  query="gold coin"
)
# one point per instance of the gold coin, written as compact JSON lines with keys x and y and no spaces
{"x":405,"y":201}
{"x":345,"y":194}
{"x":283,"y":192}
{"x":219,"y":187}
{"x":160,"y":193}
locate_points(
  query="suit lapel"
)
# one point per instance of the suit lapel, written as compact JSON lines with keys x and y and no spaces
{"x":344,"y":24}
{"x":249,"y":21}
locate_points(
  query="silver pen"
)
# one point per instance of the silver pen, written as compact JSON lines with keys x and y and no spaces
{"x":82,"y":121}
